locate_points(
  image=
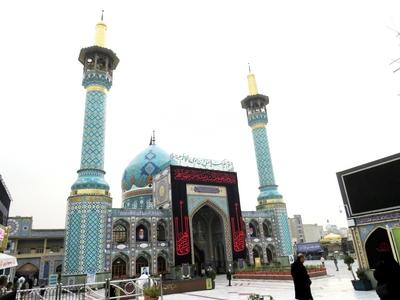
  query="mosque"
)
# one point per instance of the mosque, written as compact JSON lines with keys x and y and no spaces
{"x":178,"y":212}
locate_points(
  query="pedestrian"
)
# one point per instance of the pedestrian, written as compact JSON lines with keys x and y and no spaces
{"x":336,"y":263}
{"x":322,"y":261}
{"x":229,"y":277}
{"x":387,"y":274}
{"x":301,"y":279}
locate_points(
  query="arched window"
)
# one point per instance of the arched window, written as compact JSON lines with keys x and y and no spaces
{"x":254,"y":230}
{"x":59,"y":269}
{"x":142,"y":233}
{"x":120,"y":234}
{"x":267,"y":228}
{"x":161,"y":232}
{"x":119,"y":268}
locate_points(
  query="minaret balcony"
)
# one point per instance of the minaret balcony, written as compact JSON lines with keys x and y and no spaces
{"x":257,"y":117}
{"x":97,"y":77}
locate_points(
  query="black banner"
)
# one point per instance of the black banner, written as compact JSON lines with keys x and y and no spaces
{"x":180,"y":176}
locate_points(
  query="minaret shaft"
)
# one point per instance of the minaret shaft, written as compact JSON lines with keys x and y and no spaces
{"x":263,"y":157}
{"x":93,"y":132}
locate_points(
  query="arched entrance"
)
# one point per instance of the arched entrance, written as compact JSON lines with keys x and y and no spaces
{"x":161,"y":265}
{"x":28,"y":270}
{"x":141,"y":262}
{"x":209,"y":239}
{"x":376,"y":244}
{"x":270,"y":253}
{"x":119,"y":269}
{"x":257,"y":253}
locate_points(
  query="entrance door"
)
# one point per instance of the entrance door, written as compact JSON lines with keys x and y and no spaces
{"x":209,"y":240}
{"x":377,"y":244}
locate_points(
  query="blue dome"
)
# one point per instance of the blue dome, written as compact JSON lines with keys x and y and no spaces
{"x":144,"y":166}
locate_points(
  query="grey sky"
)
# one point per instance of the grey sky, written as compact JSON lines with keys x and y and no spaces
{"x":324,"y":65}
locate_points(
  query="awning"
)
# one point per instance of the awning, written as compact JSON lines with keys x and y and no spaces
{"x":7,"y":261}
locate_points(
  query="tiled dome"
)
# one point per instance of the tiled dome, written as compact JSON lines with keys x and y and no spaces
{"x":144,"y":166}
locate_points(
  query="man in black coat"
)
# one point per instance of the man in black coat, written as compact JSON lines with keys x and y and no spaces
{"x":387,"y":274}
{"x":301,"y":279}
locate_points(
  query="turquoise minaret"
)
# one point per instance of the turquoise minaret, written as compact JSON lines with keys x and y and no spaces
{"x":269,"y":197}
{"x":90,"y":199}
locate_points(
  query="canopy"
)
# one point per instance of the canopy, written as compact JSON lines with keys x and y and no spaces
{"x":7,"y":261}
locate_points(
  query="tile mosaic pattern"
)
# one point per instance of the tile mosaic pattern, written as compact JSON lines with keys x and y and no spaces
{"x":264,"y":163}
{"x":85,"y":235}
{"x":93,"y":132}
{"x":139,"y":202}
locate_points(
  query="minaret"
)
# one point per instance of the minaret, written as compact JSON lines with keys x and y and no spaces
{"x":269,"y":197}
{"x":90,"y":199}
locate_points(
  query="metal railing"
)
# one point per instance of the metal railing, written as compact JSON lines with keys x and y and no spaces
{"x":108,"y":290}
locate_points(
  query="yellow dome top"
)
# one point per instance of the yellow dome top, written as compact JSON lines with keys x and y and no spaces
{"x":331,"y":237}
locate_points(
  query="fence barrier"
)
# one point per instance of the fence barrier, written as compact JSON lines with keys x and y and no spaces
{"x":106,"y":290}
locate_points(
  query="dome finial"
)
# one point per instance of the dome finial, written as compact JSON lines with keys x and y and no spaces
{"x":251,"y":82}
{"x":153,"y":139}
{"x":101,"y":28}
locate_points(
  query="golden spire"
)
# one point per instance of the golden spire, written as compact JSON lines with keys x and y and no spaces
{"x":101,"y":28}
{"x":251,"y":81}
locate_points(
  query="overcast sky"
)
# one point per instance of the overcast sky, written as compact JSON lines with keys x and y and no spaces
{"x":334,"y":100}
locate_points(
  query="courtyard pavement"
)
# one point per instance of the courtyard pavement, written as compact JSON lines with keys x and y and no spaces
{"x":335,"y":286}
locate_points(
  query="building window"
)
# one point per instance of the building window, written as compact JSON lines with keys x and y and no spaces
{"x":119,"y":234}
{"x":119,"y":268}
{"x":161,"y":234}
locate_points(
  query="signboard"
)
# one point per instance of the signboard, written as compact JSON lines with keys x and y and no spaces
{"x":53,"y":279}
{"x":372,"y":187}
{"x":145,"y":270}
{"x":91,"y":278}
{"x":309,"y":247}
{"x":213,"y":181}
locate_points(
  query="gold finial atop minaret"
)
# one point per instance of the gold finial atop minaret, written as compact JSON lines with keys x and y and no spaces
{"x":251,"y":80}
{"x":101,"y":28}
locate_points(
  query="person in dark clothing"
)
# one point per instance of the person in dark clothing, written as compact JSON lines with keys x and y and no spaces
{"x":387,"y":274}
{"x":229,"y":277}
{"x":301,"y":279}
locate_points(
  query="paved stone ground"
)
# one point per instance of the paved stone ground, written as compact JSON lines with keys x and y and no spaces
{"x":335,"y":286}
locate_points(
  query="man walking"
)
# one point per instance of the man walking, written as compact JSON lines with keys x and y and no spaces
{"x":335,"y":262}
{"x":229,"y":277}
{"x":301,"y":279}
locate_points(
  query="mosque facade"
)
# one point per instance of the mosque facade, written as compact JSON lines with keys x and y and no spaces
{"x":178,"y":212}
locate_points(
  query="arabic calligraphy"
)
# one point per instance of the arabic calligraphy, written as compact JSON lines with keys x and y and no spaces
{"x":182,"y":174}
{"x":237,"y":232}
{"x":185,"y":160}
{"x":182,"y":243}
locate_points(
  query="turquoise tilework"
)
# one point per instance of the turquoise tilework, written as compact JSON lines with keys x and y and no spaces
{"x":85,"y":236}
{"x":139,"y":202}
{"x":97,"y":77}
{"x":93,"y":132}
{"x":286,"y":241}
{"x":263,"y":157}
{"x":256,"y":117}
{"x":91,"y":242}
{"x":72,"y":238}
